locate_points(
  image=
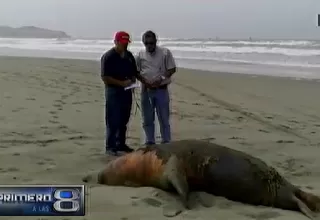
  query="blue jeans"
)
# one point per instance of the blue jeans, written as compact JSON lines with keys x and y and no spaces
{"x":117,"y":115}
{"x":152,"y":101}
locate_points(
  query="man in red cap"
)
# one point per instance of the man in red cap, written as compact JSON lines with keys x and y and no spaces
{"x":118,"y":70}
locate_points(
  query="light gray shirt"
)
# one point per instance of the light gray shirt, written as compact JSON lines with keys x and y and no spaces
{"x":153,"y":65}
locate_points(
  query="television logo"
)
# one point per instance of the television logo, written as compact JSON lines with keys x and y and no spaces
{"x":67,"y":200}
{"x":42,"y":200}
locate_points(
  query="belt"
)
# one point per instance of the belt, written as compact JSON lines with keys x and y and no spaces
{"x":159,"y":87}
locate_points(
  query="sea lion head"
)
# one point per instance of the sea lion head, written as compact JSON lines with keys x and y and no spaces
{"x":134,"y":169}
{"x":91,"y":178}
{"x":102,"y":176}
{"x":106,"y":176}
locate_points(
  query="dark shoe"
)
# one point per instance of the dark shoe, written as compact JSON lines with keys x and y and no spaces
{"x":112,"y":152}
{"x":149,"y":144}
{"x":126,"y":148}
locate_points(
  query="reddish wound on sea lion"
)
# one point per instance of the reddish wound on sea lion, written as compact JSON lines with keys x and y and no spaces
{"x":136,"y":167}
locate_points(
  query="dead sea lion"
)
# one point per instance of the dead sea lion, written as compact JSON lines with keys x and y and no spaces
{"x":194,"y":165}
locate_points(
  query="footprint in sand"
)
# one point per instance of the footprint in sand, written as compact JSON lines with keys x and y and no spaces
{"x":170,"y":206}
{"x":53,"y":122}
{"x":79,"y":137}
{"x":309,"y":187}
{"x":12,"y":169}
{"x":63,"y":127}
{"x":152,"y":202}
{"x":285,"y":141}
{"x":50,"y":167}
{"x":41,"y":163}
{"x":79,"y":143}
{"x":173,"y":207}
{"x":264,"y":131}
{"x":45,"y":143}
{"x":224,"y":204}
{"x":64,"y":96}
{"x":262,"y":215}
{"x":30,"y":99}
{"x":202,"y":198}
{"x":245,"y":143}
{"x":47,"y":132}
{"x":196,"y":103}
{"x":285,"y":126}
{"x":18,"y":109}
{"x":236,"y":138}
{"x":48,"y":163}
{"x":52,"y":112}
{"x":57,"y":106}
{"x":171,"y":210}
{"x":209,"y":139}
{"x":3,"y":147}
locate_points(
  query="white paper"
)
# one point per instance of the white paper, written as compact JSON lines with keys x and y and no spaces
{"x":134,"y":85}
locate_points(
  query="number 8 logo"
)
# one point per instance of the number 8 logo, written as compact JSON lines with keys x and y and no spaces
{"x":73,"y":200}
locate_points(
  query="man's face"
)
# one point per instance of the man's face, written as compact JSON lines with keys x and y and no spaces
{"x":150,"y":44}
{"x":122,"y":46}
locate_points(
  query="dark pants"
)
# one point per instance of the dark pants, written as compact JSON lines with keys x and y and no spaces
{"x":117,"y":115}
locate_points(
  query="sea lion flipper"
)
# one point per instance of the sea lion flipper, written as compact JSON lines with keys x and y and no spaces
{"x":304,"y":208}
{"x":177,"y":178}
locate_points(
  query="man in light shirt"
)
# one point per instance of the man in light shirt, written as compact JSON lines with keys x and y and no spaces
{"x":156,"y":65}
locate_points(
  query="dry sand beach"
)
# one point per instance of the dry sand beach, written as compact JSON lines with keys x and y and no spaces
{"x":52,"y":131}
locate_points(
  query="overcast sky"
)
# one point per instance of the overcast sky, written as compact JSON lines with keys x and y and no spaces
{"x":169,"y":18}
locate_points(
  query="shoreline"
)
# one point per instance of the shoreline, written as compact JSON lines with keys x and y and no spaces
{"x":242,"y":72}
{"x":277,"y":58}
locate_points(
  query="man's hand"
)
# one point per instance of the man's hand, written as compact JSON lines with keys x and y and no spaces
{"x":147,"y":84}
{"x":158,"y":80}
{"x":126,"y":83}
{"x":145,"y":81}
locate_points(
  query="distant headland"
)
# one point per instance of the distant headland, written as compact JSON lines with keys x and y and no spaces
{"x":30,"y":32}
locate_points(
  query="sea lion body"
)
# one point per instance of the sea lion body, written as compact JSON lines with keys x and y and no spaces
{"x":194,"y":165}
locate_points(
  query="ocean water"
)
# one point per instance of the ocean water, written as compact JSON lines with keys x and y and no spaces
{"x":298,"y":58}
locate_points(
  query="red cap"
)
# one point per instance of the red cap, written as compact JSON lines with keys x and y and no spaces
{"x":122,"y":37}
